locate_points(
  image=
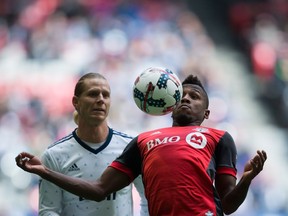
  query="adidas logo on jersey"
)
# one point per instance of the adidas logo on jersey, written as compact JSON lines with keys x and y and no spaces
{"x":74,"y":167}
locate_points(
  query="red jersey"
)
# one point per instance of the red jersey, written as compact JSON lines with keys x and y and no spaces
{"x":178,"y":166}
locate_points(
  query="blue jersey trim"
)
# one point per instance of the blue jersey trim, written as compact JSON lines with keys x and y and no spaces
{"x":95,"y":151}
{"x":64,"y":139}
{"x":118,"y":133}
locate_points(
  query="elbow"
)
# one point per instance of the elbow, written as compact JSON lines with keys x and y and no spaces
{"x":229,"y":210}
{"x":98,"y":199}
{"x":228,"y":207}
{"x":97,"y":196}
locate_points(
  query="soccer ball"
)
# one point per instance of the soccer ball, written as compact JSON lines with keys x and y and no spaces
{"x":157,"y":90}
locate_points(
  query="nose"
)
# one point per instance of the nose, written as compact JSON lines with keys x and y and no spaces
{"x":185,"y":99}
{"x":100,"y":97}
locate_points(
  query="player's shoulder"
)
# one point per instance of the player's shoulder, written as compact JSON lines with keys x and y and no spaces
{"x":121,"y":134}
{"x":149,"y":133}
{"x":62,"y":141}
{"x":59,"y":148}
{"x":220,"y":133}
{"x":210,"y":130}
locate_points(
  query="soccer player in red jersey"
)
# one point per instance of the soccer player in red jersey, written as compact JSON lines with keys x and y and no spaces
{"x":187,"y":169}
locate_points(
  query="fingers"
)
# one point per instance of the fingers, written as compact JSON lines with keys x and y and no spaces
{"x":18,"y":158}
{"x":26,"y":154}
{"x":22,"y":158}
{"x":263,"y":155}
{"x":258,"y":161}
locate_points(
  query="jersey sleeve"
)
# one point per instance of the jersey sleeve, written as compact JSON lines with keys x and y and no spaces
{"x":138,"y":183}
{"x":226,"y":155}
{"x":129,"y":161}
{"x":50,"y":195}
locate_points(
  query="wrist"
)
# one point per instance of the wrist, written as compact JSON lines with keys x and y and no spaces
{"x":45,"y":173}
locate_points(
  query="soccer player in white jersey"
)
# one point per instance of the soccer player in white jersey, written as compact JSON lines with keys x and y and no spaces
{"x":86,"y":153}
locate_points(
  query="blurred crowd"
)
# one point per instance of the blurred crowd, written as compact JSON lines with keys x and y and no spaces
{"x":45,"y":45}
{"x":262,"y":28}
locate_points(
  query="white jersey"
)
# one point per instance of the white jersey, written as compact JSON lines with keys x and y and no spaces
{"x":72,"y":157}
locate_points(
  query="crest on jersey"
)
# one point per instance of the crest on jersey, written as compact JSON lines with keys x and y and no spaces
{"x":196,"y":140}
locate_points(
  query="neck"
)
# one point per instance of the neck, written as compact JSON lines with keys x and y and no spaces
{"x":94,"y":134}
{"x":177,"y":124}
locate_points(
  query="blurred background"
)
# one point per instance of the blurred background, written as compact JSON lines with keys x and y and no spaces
{"x":239,"y":49}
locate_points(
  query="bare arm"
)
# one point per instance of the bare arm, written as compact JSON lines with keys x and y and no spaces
{"x":110,"y":181}
{"x":232,"y":195}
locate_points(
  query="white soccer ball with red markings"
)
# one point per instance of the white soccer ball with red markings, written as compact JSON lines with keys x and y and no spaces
{"x":157,"y":91}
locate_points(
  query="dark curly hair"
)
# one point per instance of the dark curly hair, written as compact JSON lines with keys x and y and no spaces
{"x":194,"y":80}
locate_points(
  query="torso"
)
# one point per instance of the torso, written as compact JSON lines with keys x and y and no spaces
{"x":73,"y":157}
{"x":179,"y":166}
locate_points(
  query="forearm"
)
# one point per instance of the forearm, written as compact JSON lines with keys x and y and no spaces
{"x":233,"y":196}
{"x":110,"y":181}
{"x":80,"y":187}
{"x":236,"y":197}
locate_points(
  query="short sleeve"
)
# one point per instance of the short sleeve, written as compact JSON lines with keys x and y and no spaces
{"x":130,"y":159}
{"x":226,"y":156}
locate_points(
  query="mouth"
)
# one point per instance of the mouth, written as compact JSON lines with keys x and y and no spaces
{"x":184,"y":106}
{"x":98,"y":110}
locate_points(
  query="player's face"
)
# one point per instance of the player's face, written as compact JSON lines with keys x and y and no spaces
{"x":192,"y":109}
{"x":94,"y":103}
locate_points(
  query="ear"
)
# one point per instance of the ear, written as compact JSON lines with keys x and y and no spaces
{"x":75,"y":102}
{"x":206,"y":114}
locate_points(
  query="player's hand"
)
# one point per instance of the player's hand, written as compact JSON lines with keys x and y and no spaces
{"x":255,"y":165}
{"x":29,"y":162}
